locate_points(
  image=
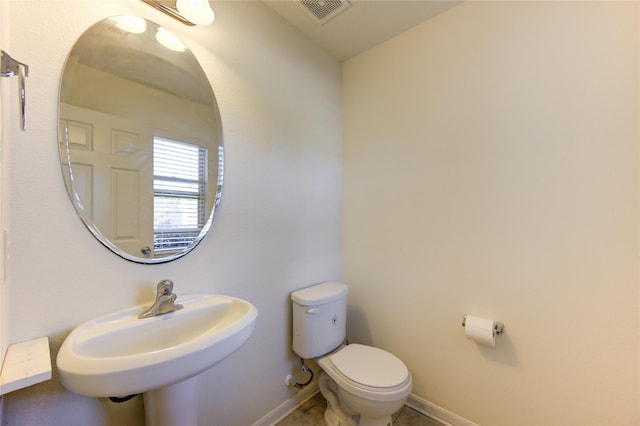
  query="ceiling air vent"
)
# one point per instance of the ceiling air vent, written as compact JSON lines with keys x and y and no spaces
{"x":324,"y":10}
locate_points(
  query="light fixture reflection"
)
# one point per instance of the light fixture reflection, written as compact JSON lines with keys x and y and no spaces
{"x":131,"y":24}
{"x":169,"y":40}
{"x":197,"y":11}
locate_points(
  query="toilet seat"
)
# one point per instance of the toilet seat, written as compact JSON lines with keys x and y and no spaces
{"x":370,"y":366}
{"x":368,"y":372}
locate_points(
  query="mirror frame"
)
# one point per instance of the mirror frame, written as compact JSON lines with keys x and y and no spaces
{"x":214,"y":122}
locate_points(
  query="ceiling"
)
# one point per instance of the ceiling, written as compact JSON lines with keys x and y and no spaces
{"x":362,"y":25}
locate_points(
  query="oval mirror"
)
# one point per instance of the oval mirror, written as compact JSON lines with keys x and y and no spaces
{"x":140,"y":140}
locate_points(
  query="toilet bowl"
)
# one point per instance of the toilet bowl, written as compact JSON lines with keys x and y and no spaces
{"x":369,"y":384}
{"x":363,"y":385}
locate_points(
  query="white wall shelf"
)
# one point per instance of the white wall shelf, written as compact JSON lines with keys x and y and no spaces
{"x":25,"y":364}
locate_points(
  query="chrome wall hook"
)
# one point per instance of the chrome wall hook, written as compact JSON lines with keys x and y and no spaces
{"x":9,"y":67}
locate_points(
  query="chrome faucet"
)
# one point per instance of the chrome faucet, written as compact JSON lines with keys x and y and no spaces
{"x":165,"y":301}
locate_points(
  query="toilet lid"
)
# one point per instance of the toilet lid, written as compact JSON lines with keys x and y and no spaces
{"x":370,"y":366}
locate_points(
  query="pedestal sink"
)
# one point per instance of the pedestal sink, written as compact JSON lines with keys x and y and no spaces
{"x":161,"y":357}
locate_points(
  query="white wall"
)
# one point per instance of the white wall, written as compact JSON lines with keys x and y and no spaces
{"x":277,"y":229}
{"x":5,"y":109}
{"x":491,"y":168}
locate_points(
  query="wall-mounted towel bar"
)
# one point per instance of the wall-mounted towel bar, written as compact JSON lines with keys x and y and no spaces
{"x":10,"y":67}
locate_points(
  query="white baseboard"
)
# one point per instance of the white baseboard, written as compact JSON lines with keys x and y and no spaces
{"x":440,"y":414}
{"x":287,"y":407}
{"x":419,"y":404}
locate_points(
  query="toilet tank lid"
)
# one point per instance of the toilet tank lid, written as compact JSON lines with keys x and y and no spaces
{"x":320,"y":293}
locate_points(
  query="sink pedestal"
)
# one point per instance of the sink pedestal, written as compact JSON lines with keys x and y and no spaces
{"x":172,"y":405}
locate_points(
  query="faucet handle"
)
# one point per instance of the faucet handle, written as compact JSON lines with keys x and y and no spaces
{"x":165,"y":287}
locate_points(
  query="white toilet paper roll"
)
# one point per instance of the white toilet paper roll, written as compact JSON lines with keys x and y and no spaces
{"x":480,"y":330}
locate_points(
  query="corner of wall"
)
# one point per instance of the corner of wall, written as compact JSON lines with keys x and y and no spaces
{"x":4,"y":132}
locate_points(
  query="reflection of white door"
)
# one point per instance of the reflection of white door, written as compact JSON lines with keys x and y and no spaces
{"x":112,"y":166}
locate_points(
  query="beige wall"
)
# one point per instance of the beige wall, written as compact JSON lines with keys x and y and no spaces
{"x":5,"y":111}
{"x":491,"y":168}
{"x":277,"y":228}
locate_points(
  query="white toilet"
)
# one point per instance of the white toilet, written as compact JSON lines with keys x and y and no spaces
{"x":363,"y":385}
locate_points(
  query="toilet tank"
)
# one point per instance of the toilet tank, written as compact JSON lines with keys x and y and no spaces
{"x":319,"y":318}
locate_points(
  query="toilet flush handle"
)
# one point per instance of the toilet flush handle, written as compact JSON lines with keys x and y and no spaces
{"x":312,"y":310}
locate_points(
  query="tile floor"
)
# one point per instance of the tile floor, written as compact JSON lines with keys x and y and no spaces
{"x":311,"y":413}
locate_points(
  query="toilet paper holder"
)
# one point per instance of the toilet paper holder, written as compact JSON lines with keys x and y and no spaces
{"x":498,"y":327}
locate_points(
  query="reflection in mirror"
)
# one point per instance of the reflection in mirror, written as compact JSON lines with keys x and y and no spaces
{"x":140,"y":140}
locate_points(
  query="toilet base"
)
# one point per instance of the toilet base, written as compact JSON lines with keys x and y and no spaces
{"x":331,"y":419}
{"x":380,"y":421}
{"x":334,"y":415}
{"x":337,"y":414}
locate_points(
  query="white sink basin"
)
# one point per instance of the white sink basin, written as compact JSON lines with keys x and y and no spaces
{"x":119,"y":354}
